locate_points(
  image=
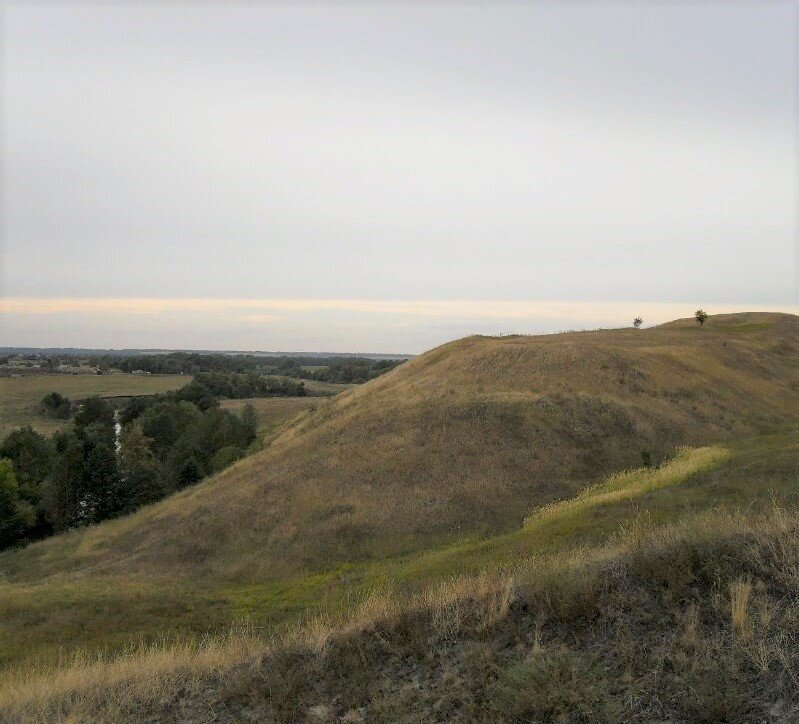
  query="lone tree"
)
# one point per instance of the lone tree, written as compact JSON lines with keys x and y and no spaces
{"x":637,"y":322}
{"x":700,"y":315}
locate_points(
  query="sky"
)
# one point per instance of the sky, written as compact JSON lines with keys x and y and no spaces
{"x":386,"y":177}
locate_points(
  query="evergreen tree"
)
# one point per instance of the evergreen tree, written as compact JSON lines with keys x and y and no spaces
{"x":16,"y":514}
{"x":139,"y":472}
{"x":190,"y":472}
{"x":100,"y":495}
{"x":249,"y":421}
{"x":60,"y":488}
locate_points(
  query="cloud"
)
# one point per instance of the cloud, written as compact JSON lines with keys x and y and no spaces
{"x":260,"y":318}
{"x":338,"y":151}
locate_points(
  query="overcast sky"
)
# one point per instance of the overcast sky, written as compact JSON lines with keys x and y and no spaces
{"x":386,"y":178}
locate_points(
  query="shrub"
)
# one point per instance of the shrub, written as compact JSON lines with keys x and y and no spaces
{"x":57,"y":406}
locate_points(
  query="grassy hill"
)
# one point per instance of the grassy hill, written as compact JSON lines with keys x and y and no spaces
{"x":486,"y":454}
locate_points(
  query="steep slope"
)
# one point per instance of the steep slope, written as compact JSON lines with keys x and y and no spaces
{"x":459,"y":443}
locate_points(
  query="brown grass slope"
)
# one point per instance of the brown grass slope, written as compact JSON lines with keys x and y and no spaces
{"x":691,"y":621}
{"x":461,"y":441}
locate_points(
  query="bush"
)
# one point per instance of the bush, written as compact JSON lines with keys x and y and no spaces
{"x":57,"y":406}
{"x":226,"y":456}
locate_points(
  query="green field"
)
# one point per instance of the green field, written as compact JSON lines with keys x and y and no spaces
{"x":273,"y":412}
{"x":20,"y":396}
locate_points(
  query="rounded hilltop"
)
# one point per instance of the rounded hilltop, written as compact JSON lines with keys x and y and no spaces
{"x":763,"y":320}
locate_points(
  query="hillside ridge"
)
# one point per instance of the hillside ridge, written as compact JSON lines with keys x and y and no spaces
{"x":464,"y":439}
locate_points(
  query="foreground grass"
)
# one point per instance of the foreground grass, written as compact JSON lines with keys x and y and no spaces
{"x":41,"y":620}
{"x":82,"y":610}
{"x":692,"y":620}
{"x":557,"y":560}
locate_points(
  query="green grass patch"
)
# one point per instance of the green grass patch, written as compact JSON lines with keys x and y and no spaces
{"x":748,"y":474}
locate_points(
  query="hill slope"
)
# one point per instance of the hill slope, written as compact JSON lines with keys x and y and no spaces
{"x":457,"y":444}
{"x":595,"y":610}
{"x":462,"y":440}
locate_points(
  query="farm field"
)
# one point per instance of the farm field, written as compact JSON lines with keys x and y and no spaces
{"x":20,"y":396}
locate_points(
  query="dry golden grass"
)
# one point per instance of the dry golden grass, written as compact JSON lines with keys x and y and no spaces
{"x":151,"y":673}
{"x":455,"y":445}
{"x":740,"y":593}
{"x":583,"y":634}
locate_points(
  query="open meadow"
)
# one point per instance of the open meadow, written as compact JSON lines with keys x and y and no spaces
{"x":319,"y":388}
{"x":274,"y":412}
{"x":20,"y":397}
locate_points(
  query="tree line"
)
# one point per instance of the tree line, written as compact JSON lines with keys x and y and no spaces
{"x":329,"y":369}
{"x":352,"y":370}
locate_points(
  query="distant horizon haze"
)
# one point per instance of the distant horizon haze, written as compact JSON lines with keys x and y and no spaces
{"x":329,"y":325}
